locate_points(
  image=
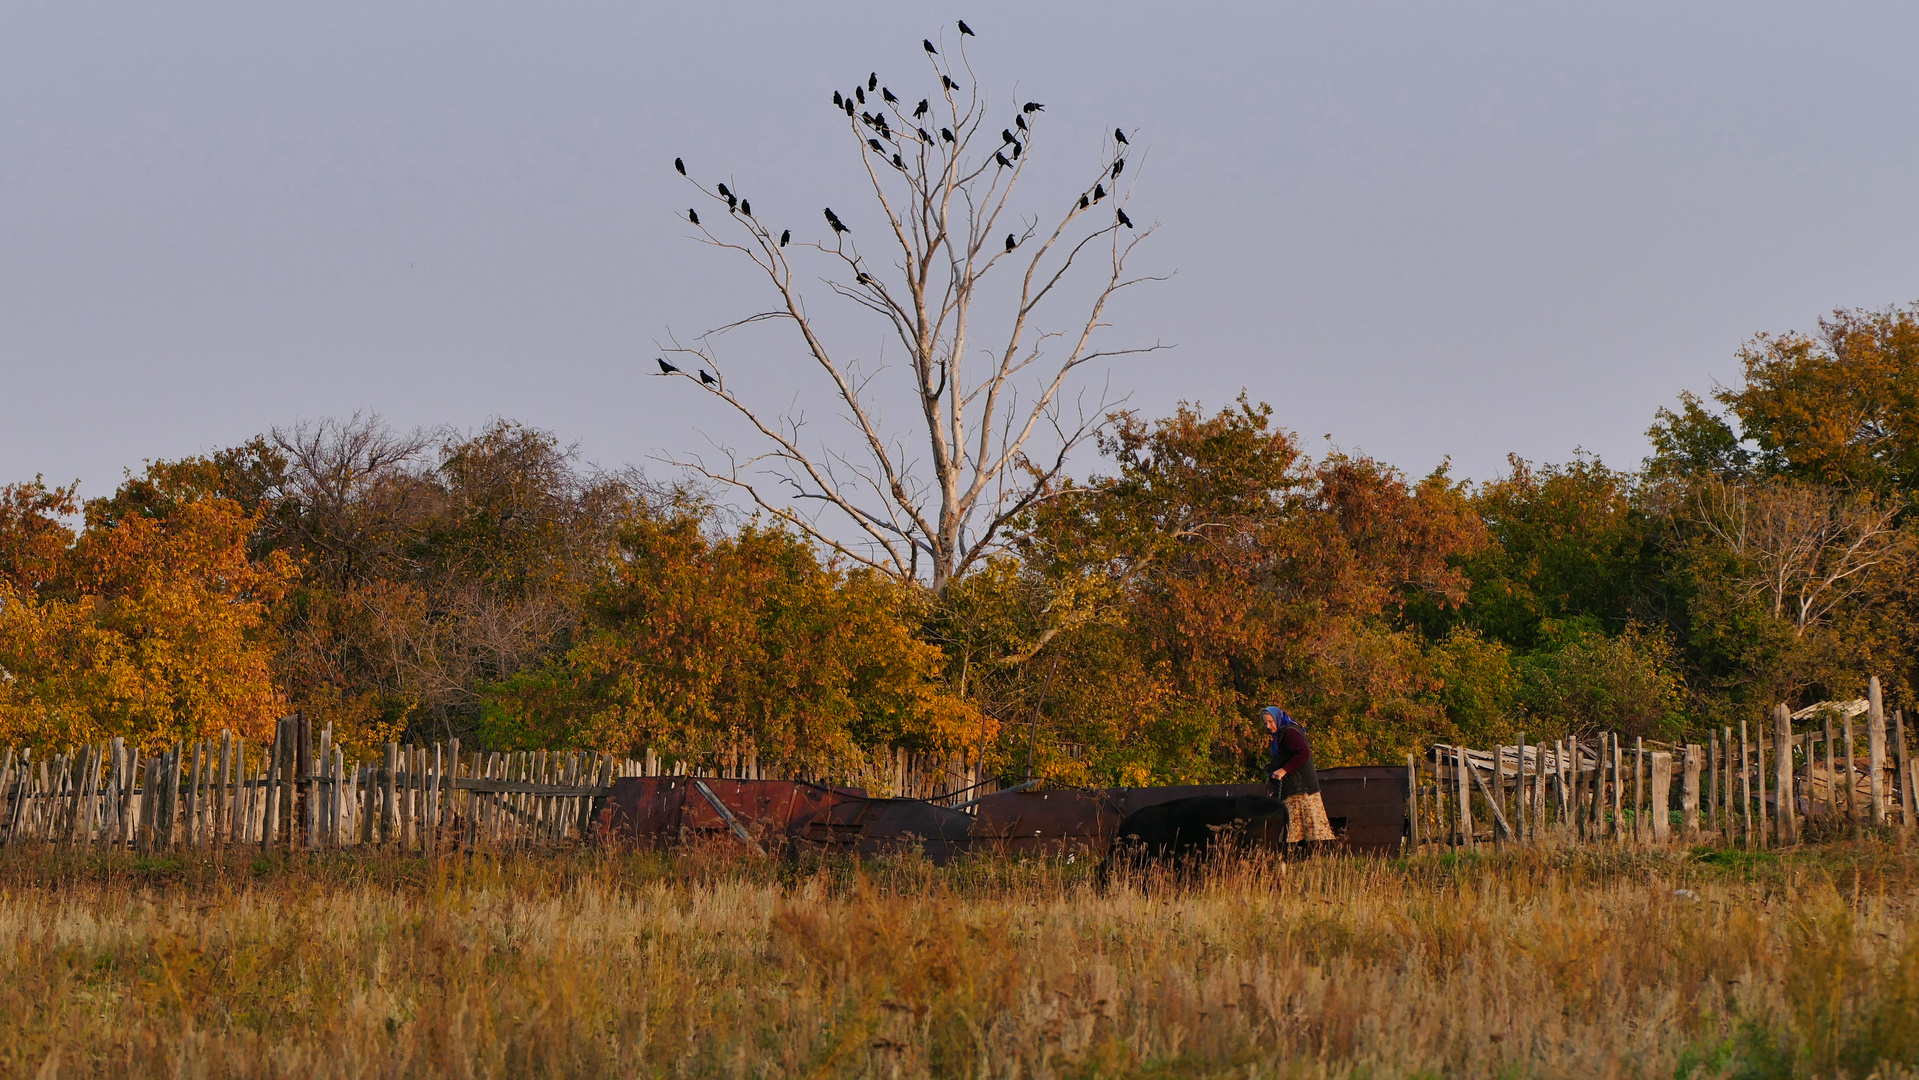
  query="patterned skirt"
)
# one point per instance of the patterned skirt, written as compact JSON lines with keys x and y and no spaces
{"x":1306,"y":818}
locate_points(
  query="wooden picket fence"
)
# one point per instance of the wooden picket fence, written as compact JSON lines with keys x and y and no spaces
{"x":300,"y":792}
{"x":1757,"y":790}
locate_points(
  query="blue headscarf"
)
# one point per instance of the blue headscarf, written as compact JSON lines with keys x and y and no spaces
{"x":1281,"y":718}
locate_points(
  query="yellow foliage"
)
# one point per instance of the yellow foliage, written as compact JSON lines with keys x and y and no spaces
{"x":159,"y":634}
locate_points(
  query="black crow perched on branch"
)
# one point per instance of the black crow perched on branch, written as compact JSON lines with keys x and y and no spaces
{"x":965,"y":29}
{"x":666,"y":368}
{"x":924,"y":137}
{"x":1005,"y":135}
{"x":947,"y":134}
{"x":1119,"y":136}
{"x":849,"y":106}
{"x":897,"y":164}
{"x":1019,"y":122}
{"x":859,"y":95}
{"x":1117,"y":166}
{"x":921,"y":111}
{"x":1084,"y":202}
{"x":724,"y":194}
{"x":680,"y":165}
{"x":1010,"y":242}
{"x":838,"y":102}
{"x":1032,"y":106}
{"x":1001,"y":158}
{"x":693,"y":216}
{"x":1016,"y":151}
{"x":947,"y":81}
{"x":707,"y":379}
{"x":927,"y":44}
{"x":873,"y":81}
{"x":1123,"y":219}
{"x":834,"y":220}
{"x":746,"y":208}
{"x":875,"y":144}
{"x":785,"y":235}
{"x":887,"y":95}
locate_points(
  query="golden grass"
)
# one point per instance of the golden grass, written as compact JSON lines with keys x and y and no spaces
{"x":1537,"y":963}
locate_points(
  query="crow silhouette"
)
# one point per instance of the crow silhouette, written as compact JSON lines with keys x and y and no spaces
{"x":1123,"y":219}
{"x":859,"y":95}
{"x":707,"y":379}
{"x":849,"y":106}
{"x":921,"y":111}
{"x":927,"y":44}
{"x":1001,"y":158}
{"x":1084,"y":202}
{"x":693,"y":216}
{"x":1119,"y":136}
{"x":680,"y":165}
{"x":861,"y":278}
{"x":724,"y":194}
{"x":1005,"y":135}
{"x":1099,"y":192}
{"x":666,"y":368}
{"x":1015,"y":151}
{"x":1010,"y":242}
{"x":873,"y":81}
{"x":1019,"y":122}
{"x":785,"y":235}
{"x":1117,"y":166}
{"x":875,"y":144}
{"x":896,"y":162}
{"x":866,"y":118}
{"x":834,"y":220}
{"x":947,"y":134}
{"x":1032,"y":106}
{"x":947,"y":81}
{"x":924,"y":137}
{"x":746,"y":208}
{"x":965,"y":29}
{"x":887,"y":95}
{"x":838,"y":101}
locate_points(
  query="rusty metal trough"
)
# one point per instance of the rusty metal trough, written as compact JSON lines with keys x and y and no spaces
{"x":1367,"y":806}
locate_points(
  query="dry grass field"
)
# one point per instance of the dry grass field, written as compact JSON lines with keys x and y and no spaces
{"x":1528,"y":963}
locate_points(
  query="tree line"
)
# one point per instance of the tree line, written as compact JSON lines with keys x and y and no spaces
{"x":1124,"y":629}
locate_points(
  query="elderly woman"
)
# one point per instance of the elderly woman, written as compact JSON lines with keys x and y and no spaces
{"x":1290,"y":768}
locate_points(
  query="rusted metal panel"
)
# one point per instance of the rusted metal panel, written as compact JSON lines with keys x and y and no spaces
{"x":1366,"y":804}
{"x":654,"y":810}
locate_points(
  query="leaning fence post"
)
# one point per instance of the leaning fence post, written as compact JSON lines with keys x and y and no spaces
{"x":1412,"y":804}
{"x":1466,"y":838}
{"x":1906,"y":805}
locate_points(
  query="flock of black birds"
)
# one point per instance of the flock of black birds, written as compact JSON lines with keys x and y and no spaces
{"x":1009,"y":144}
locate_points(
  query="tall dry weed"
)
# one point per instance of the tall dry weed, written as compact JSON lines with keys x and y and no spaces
{"x":1526,"y":963}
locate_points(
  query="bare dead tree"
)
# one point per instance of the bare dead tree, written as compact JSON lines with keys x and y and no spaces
{"x":943,"y":184}
{"x":1810,"y":548}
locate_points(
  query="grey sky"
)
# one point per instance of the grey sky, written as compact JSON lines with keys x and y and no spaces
{"x":1426,"y":229}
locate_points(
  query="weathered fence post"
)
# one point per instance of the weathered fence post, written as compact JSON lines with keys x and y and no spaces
{"x":1412,"y":804}
{"x":1851,"y":779}
{"x":1876,"y":748}
{"x":1907,"y":807}
{"x":1689,"y":792}
{"x":1788,"y":816}
{"x":1661,"y":796}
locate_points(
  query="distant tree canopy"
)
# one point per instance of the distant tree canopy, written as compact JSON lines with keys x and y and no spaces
{"x":487,"y":586}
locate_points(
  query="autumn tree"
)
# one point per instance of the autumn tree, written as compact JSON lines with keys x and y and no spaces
{"x":156,"y":627}
{"x":699,"y":642}
{"x":997,"y":300}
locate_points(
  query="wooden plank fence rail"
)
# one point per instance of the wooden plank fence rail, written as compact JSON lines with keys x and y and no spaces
{"x":1764,"y":787}
{"x":300,"y":792}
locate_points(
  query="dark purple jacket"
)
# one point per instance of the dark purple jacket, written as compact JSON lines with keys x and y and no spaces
{"x":1290,"y":751}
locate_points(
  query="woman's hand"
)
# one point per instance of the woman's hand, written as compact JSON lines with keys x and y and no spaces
{"x":1279,"y":774}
